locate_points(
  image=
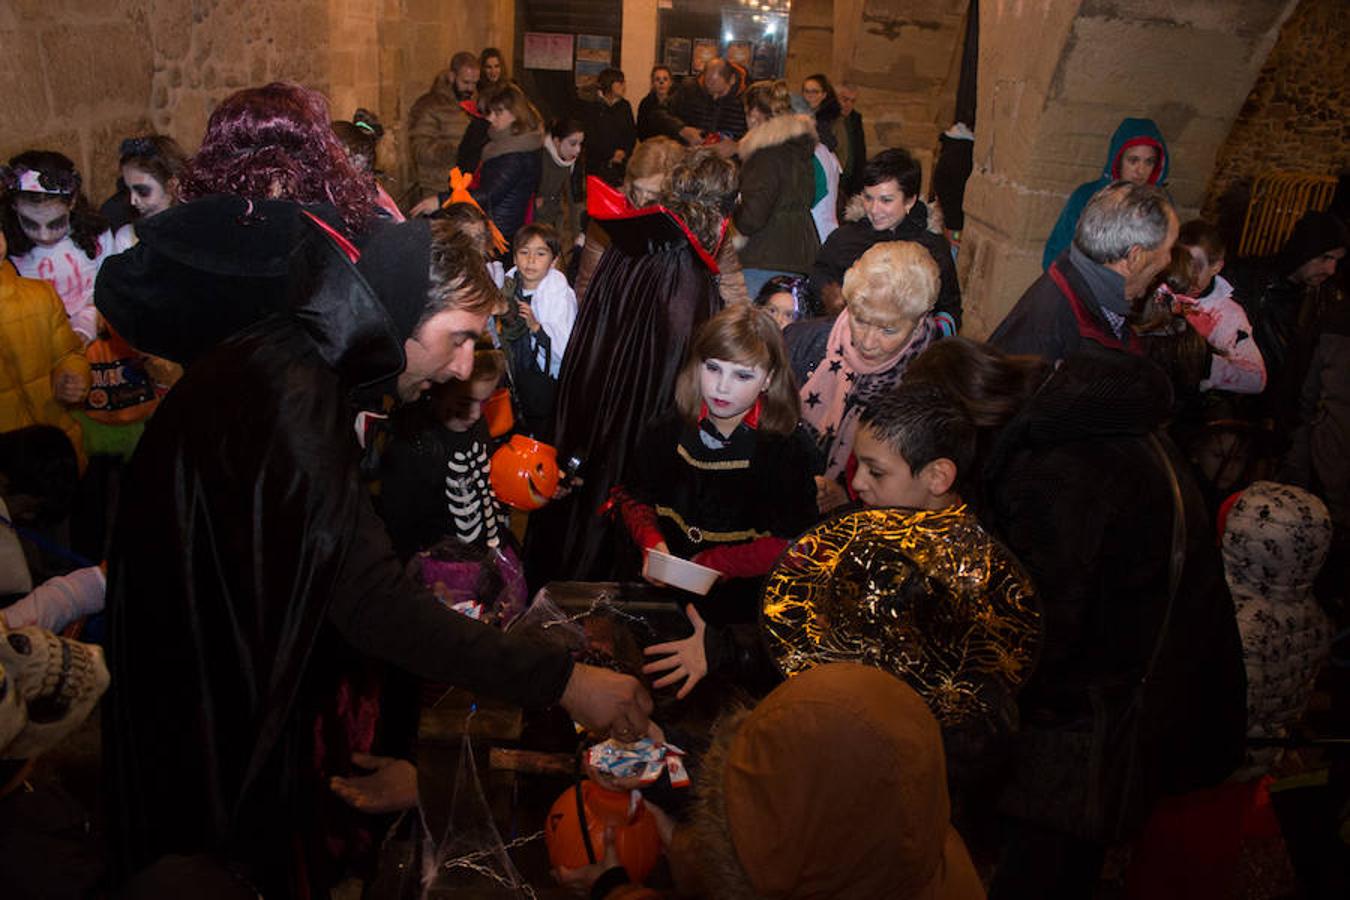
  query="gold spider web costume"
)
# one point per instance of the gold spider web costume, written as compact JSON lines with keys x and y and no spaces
{"x":928,"y":596}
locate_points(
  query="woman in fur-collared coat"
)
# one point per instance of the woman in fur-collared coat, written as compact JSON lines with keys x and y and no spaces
{"x":775,"y":232}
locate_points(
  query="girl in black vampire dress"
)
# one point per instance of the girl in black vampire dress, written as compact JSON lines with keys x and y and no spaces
{"x":654,"y":286}
{"x":724,"y":477}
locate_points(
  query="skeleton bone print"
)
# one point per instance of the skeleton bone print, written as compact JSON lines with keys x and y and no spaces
{"x":469,"y":498}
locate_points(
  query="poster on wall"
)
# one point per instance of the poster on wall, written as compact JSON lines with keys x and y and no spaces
{"x":677,"y":55}
{"x":704,"y":50}
{"x":594,"y":55}
{"x":548,"y":51}
{"x":739,"y":53}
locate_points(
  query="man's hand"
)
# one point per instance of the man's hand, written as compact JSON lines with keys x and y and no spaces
{"x":829,"y":495}
{"x":606,"y":702}
{"x":618,"y":157}
{"x":69,"y":388}
{"x":425,"y":207}
{"x":691,"y":135}
{"x":683,"y":659}
{"x":527,"y":313}
{"x":391,"y":785}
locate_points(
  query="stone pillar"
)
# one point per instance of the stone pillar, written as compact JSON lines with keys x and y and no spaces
{"x":1045,"y":117}
{"x":640,"y":28}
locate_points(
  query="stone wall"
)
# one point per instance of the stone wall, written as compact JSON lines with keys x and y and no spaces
{"x":1045,"y":117}
{"x":1297,"y":116}
{"x":904,"y":56}
{"x":78,"y":77}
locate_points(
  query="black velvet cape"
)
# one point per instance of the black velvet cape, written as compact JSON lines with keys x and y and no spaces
{"x":650,"y":292}
{"x":247,"y":559}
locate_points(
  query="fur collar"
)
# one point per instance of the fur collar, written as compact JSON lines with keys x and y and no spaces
{"x":503,"y":142}
{"x":552,"y":147}
{"x":776,"y":131}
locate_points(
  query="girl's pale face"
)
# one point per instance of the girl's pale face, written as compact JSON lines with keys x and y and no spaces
{"x":569,"y":148}
{"x":148,"y":196}
{"x":492,"y":69}
{"x":45,"y":222}
{"x":501,"y":119}
{"x":730,"y":389}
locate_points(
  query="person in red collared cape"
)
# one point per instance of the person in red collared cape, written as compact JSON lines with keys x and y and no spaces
{"x":651,"y":290}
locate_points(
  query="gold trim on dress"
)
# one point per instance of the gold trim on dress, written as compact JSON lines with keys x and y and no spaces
{"x":702,"y":535}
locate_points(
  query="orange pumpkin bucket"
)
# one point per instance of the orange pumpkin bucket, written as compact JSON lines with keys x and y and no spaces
{"x":575,"y":830}
{"x":497,"y":412}
{"x":524,"y":473}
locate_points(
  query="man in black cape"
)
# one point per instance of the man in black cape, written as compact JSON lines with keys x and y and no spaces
{"x":247,"y":553}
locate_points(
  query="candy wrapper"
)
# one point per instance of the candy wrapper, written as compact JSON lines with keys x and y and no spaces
{"x":644,"y":760}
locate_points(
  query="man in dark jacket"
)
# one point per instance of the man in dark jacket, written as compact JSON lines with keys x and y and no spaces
{"x":852,"y":150}
{"x":437,"y":123}
{"x":252,"y":562}
{"x":1124,"y":239}
{"x":891,"y":182}
{"x":711,"y":105}
{"x":1285,"y":299}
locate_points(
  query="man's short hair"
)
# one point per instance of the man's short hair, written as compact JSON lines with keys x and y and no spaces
{"x":542,"y":230}
{"x":607,"y":78}
{"x":1120,"y":216}
{"x":921,"y":423}
{"x":459,"y":275}
{"x":462,"y":60}
{"x":894,"y":164}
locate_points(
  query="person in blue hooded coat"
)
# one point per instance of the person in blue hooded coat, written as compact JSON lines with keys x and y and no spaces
{"x":1138,"y":153}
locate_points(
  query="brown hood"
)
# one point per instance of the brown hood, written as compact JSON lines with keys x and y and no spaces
{"x":835,"y":786}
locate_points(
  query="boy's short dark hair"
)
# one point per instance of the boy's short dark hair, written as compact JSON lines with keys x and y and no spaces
{"x":894,"y":164}
{"x":922,"y":423}
{"x":607,"y":78}
{"x":545,"y":232}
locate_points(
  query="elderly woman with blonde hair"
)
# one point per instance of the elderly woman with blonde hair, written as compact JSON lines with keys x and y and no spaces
{"x":843,"y":363}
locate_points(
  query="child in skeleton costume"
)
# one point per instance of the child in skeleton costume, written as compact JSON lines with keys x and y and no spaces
{"x":436,"y":500}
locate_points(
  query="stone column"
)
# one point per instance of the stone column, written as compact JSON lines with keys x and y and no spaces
{"x":1056,"y":78}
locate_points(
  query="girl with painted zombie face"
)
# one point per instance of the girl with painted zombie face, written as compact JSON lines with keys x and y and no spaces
{"x":53,"y":233}
{"x":151,"y":167}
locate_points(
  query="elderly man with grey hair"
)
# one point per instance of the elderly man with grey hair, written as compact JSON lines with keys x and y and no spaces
{"x":1124,"y":239}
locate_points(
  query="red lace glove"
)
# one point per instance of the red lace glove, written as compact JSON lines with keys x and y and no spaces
{"x":638,"y":518}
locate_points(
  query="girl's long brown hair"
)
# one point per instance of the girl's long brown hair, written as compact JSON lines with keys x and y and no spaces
{"x":750,"y":336}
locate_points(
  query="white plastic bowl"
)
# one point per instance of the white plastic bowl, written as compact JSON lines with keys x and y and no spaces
{"x":680,"y":573}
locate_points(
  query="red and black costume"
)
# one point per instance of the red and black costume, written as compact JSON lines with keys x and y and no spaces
{"x":651,"y":290}
{"x":731,"y":503}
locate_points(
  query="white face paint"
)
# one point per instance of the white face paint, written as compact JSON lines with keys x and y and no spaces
{"x":730,"y":389}
{"x":148,"y":196}
{"x":45,"y":222}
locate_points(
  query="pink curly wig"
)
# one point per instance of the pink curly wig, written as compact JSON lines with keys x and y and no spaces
{"x":275,"y":142}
